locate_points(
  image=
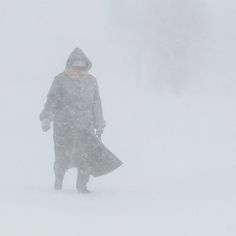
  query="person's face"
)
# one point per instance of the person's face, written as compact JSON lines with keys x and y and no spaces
{"x":79,"y":65}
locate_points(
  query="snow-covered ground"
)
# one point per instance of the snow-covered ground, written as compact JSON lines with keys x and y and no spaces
{"x":178,"y":176}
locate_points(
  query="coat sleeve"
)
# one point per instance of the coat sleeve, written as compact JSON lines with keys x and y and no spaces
{"x":99,"y":121}
{"x":52,"y":101}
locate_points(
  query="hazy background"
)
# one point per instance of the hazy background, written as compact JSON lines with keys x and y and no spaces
{"x":167,"y":82}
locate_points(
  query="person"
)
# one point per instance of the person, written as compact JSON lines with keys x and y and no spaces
{"x":74,"y":106}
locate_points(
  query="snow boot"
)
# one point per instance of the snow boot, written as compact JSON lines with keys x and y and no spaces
{"x":83,"y":189}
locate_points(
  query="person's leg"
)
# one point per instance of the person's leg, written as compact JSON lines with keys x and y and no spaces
{"x":82,"y":180}
{"x":62,"y":147}
{"x":59,"y":175}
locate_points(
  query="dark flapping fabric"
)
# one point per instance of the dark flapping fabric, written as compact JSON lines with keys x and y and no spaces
{"x":98,"y":158}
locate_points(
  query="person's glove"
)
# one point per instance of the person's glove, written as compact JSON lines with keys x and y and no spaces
{"x":99,"y":132}
{"x":45,"y":125}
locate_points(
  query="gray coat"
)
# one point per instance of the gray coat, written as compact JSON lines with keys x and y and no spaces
{"x":74,"y":106}
{"x":74,"y":102}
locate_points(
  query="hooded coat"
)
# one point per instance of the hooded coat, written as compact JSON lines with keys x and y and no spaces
{"x":74,"y":106}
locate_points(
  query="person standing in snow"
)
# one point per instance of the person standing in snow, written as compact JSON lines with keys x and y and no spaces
{"x":74,"y":106}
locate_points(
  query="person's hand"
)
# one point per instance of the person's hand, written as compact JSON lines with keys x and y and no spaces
{"x":46,"y":125}
{"x":99,"y":132}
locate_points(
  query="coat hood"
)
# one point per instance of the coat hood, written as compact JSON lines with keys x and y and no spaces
{"x":76,"y":54}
